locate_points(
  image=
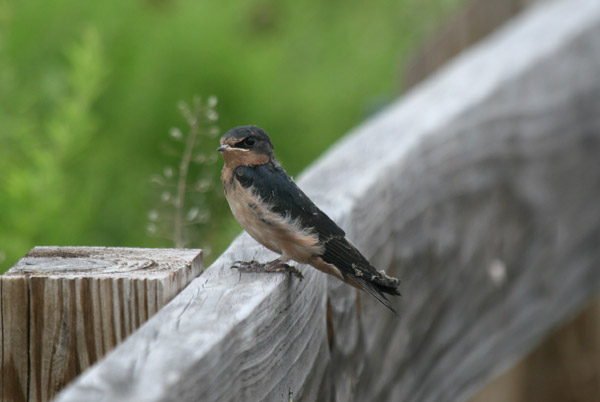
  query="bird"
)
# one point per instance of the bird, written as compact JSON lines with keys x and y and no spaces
{"x":269,"y":205}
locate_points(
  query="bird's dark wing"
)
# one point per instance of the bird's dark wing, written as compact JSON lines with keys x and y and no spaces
{"x":277,"y":189}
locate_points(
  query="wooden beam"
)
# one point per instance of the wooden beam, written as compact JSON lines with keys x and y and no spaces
{"x":479,"y":189}
{"x":63,"y":308}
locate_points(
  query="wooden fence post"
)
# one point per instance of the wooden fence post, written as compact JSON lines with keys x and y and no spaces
{"x":63,"y":308}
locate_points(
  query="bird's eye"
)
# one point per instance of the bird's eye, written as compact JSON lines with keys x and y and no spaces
{"x":250,"y":141}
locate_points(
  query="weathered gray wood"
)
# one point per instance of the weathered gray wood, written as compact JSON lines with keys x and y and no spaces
{"x":479,"y":189}
{"x":63,"y":308}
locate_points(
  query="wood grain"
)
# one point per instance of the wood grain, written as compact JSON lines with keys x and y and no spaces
{"x":63,"y":308}
{"x":15,"y":332}
{"x":479,"y":189}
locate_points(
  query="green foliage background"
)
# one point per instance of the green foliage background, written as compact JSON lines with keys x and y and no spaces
{"x":88,"y":92}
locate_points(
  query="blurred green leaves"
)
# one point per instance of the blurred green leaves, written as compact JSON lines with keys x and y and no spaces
{"x":88,"y":93}
{"x":42,"y":149}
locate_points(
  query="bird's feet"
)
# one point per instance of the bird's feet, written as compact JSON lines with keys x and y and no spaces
{"x":278,"y":265}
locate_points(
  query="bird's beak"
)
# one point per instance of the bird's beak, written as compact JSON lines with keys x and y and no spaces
{"x":223,"y":148}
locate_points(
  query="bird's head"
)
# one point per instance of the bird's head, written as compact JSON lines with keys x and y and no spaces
{"x":246,"y":145}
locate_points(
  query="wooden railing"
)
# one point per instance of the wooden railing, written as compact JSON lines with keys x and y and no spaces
{"x":479,"y":189}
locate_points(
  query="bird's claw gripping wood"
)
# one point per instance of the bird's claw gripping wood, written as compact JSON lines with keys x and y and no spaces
{"x":273,"y":266}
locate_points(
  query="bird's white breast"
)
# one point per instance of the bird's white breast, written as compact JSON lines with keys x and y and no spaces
{"x":281,"y":234}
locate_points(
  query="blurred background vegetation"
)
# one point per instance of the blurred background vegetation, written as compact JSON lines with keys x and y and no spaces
{"x":89,"y":94}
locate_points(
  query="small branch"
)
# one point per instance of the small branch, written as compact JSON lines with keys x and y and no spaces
{"x":182,"y":182}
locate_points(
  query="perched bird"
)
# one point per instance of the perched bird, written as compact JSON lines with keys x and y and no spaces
{"x":277,"y":214}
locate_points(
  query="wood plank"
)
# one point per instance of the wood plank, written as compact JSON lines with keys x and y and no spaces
{"x":82,"y":301}
{"x":479,"y":189}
